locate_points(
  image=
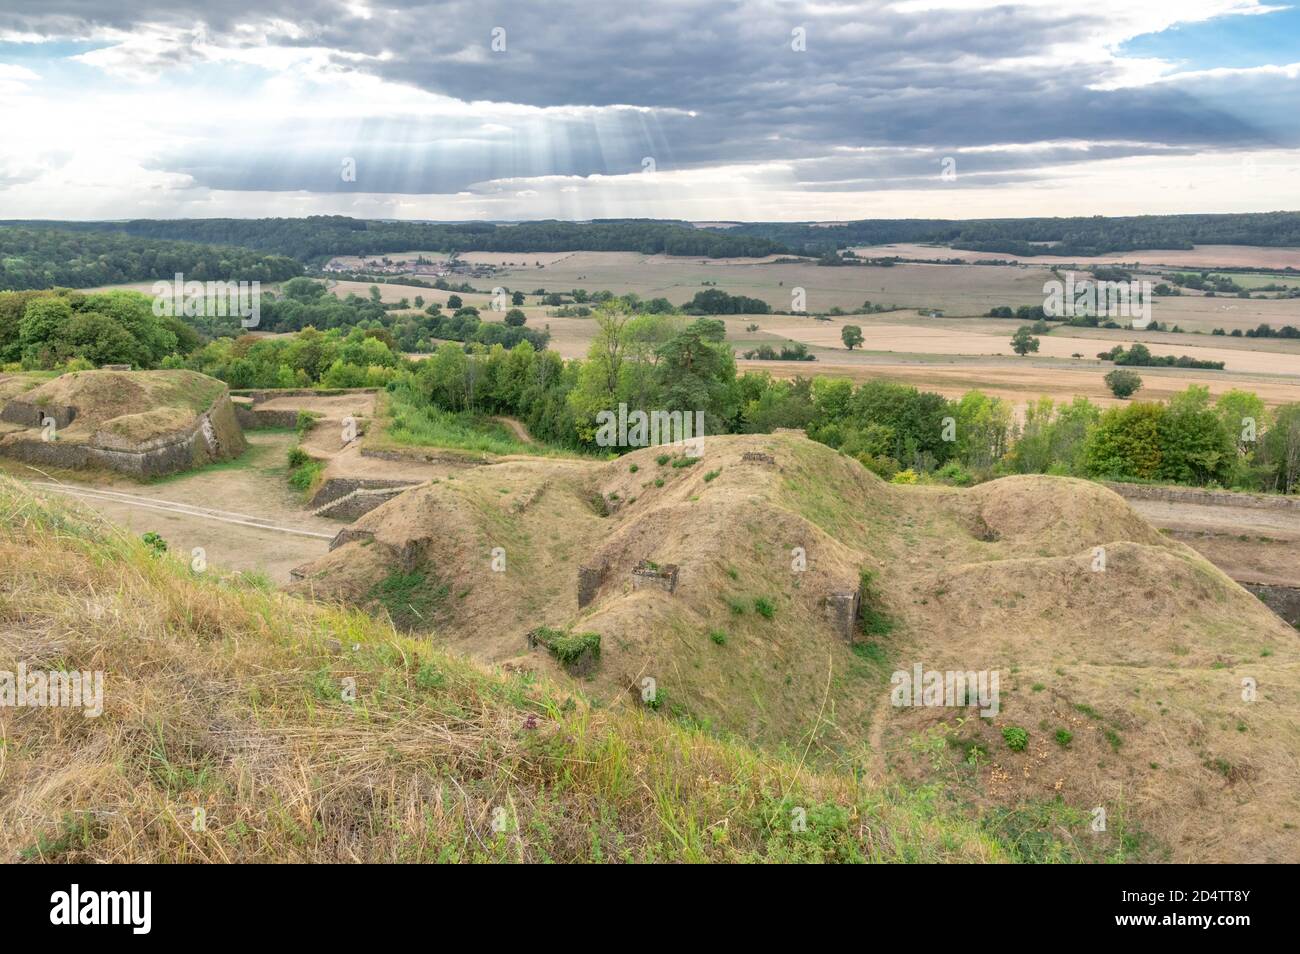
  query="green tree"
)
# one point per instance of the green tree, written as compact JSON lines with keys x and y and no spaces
{"x":1023,"y":341}
{"x":1125,"y":444}
{"x":38,"y":332}
{"x":1280,"y":450}
{"x":697,"y":372}
{"x":1244,"y":415}
{"x":778,"y":404}
{"x":915,"y":419}
{"x":1122,"y":383}
{"x":1196,"y":447}
{"x":851,"y":335}
{"x":983,"y":429}
{"x":1053,"y":436}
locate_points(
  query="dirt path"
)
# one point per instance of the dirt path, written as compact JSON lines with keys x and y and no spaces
{"x":244,"y":515}
{"x":171,"y":506}
{"x":517,"y":428}
{"x":877,"y":764}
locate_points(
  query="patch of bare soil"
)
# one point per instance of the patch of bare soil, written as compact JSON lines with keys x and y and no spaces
{"x":253,"y":487}
{"x":1250,"y":544}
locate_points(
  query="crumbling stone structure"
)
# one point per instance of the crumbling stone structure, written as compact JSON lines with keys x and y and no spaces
{"x":842,"y":607}
{"x":214,"y":435}
{"x":589,"y":580}
{"x":649,"y":574}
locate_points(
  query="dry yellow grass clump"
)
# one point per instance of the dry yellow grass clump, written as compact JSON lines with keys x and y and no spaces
{"x":241,"y":724}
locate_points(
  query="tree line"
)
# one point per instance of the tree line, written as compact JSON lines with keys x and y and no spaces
{"x":314,"y":239}
{"x":676,"y":362}
{"x":1025,"y":238}
{"x":671,"y":363}
{"x":35,"y":258}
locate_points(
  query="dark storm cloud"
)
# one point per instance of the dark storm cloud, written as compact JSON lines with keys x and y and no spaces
{"x":721,"y":80}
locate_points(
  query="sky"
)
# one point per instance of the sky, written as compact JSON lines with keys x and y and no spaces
{"x":704,"y":110}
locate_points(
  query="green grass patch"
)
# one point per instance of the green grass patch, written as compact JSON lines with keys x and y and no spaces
{"x":412,"y":422}
{"x":572,"y":650}
{"x":411,"y":599}
{"x":875,"y":621}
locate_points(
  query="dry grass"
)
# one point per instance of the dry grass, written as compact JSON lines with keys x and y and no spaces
{"x":223,"y":696}
{"x":997,"y":577}
{"x":136,"y":405}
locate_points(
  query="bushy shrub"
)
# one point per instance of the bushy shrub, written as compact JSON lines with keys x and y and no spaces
{"x":1017,"y":739}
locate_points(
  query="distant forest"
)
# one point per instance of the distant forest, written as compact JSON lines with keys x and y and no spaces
{"x":1080,"y":236}
{"x":36,"y":254}
{"x":315,"y":239}
{"x":32,"y":258}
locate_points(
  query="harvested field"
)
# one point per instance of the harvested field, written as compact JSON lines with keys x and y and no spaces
{"x":1020,"y":380}
{"x":1200,"y":256}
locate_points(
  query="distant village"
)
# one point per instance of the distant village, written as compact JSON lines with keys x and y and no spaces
{"x":420,"y":266}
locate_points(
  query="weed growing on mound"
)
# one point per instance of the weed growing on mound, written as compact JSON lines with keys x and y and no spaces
{"x":1028,"y":831}
{"x":574,"y":651}
{"x":304,"y":470}
{"x":156,"y":544}
{"x":1017,"y":739}
{"x":306,"y":421}
{"x":871,"y":659}
{"x":411,"y":599}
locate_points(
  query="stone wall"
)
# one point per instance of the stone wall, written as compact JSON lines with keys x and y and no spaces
{"x":358,"y":503}
{"x":1198,"y":495}
{"x":253,"y":418}
{"x":1282,"y":600}
{"x":24,"y":414}
{"x":214,"y":435}
{"x":426,"y":457}
{"x":337,"y":488}
{"x":664,"y":577}
{"x":589,"y":580}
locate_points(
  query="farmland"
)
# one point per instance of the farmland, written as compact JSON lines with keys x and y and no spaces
{"x":956,"y":351}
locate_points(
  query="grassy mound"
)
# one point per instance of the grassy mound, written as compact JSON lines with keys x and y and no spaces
{"x":142,"y":423}
{"x":103,"y":397}
{"x":717,"y":580}
{"x":308,"y":734}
